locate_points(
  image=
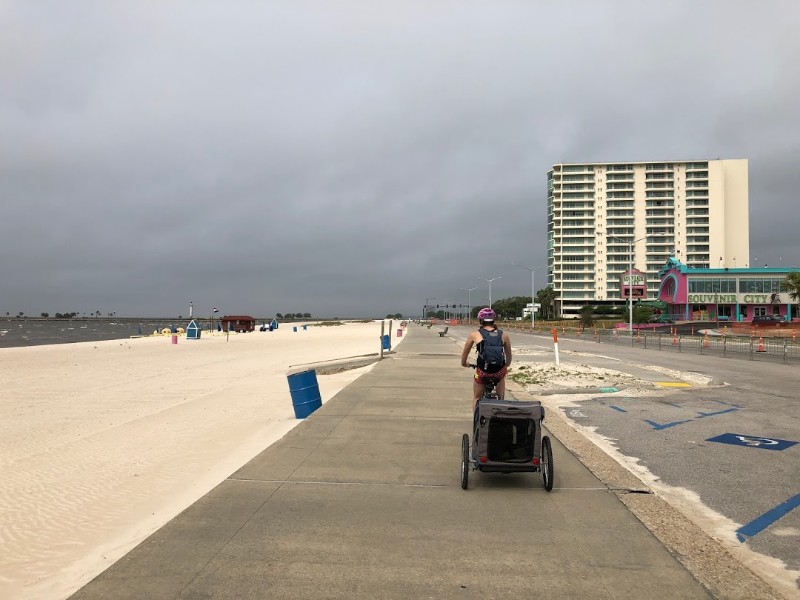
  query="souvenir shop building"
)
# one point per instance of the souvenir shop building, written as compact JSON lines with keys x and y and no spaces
{"x":726,"y":294}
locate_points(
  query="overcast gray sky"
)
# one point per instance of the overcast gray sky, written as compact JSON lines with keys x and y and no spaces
{"x":355,"y":158}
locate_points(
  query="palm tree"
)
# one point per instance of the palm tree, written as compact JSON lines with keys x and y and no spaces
{"x":547,"y":298}
{"x":792,"y":285}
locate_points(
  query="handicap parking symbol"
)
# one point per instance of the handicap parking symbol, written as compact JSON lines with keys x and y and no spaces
{"x":752,"y":441}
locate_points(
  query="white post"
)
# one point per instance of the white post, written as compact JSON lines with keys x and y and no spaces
{"x":469,"y":301}
{"x":533,"y":290}
{"x":630,"y":287}
{"x":490,"y":287}
{"x":533,"y":303}
{"x":555,"y":344}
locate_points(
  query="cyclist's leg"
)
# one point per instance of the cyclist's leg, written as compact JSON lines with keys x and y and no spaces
{"x":477,"y":392}
{"x":501,"y":388}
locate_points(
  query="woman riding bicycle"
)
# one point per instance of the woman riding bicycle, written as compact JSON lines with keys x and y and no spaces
{"x":489,"y":340}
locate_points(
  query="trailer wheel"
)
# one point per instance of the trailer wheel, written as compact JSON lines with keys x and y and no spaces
{"x":464,"y":461}
{"x":547,"y":463}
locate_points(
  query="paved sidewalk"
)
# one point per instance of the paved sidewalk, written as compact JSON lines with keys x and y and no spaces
{"x":362,"y":500}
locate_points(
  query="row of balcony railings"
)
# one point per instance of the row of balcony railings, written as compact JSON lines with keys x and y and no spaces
{"x":736,"y":340}
{"x":628,"y":168}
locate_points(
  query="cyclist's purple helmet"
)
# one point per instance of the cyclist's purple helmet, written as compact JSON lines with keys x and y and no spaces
{"x":486,"y":314}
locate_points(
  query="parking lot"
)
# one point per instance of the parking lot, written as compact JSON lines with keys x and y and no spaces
{"x":725,"y":453}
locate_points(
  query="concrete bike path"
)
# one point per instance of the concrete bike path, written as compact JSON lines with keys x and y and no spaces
{"x":362,"y":500}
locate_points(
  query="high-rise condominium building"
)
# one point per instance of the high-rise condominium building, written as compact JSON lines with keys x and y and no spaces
{"x":603,"y":217}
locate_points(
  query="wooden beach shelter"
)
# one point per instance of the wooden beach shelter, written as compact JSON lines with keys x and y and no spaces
{"x":240,"y":323}
{"x":193,"y":331}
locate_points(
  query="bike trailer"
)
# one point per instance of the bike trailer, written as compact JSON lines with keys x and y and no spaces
{"x":508,"y":436}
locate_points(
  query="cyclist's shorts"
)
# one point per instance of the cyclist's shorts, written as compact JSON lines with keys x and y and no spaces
{"x":483,"y":378}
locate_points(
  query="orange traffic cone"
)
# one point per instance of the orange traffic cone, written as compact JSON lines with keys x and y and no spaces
{"x":674,"y":336}
{"x":638,"y":339}
{"x":761,"y":344}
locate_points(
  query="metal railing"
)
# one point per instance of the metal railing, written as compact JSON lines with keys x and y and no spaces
{"x":783,"y":349}
{"x":753,"y":348}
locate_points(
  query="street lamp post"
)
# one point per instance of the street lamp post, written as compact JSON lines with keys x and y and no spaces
{"x":490,"y":287}
{"x":630,"y":268}
{"x":533,"y":290}
{"x":425,"y":312}
{"x":469,"y":301}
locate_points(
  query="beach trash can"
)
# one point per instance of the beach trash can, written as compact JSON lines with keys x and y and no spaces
{"x":294,"y":328}
{"x":174,"y":338}
{"x":305,"y":327}
{"x":304,"y":389}
{"x":386,"y":345}
{"x":399,"y":333}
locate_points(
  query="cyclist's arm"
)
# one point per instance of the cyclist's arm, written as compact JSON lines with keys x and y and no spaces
{"x":507,"y":347}
{"x":467,"y":349}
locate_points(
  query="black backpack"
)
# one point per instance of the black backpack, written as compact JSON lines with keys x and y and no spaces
{"x":491,"y":351}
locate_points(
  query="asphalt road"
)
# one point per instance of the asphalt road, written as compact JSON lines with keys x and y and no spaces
{"x":730,"y":446}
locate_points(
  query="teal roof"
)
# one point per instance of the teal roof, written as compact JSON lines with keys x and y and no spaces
{"x":674,"y":263}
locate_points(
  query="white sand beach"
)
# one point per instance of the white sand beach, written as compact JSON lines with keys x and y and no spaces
{"x":101,"y":443}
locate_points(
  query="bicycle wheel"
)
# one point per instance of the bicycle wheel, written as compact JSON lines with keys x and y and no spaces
{"x":465,"y":461}
{"x":547,"y":463}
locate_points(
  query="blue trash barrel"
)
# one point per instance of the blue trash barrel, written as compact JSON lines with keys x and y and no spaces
{"x":294,"y":329}
{"x":305,"y":327}
{"x":305,"y":393}
{"x":386,"y":342}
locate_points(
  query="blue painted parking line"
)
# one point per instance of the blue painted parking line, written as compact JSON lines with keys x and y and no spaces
{"x":702,"y":415}
{"x":752,"y":441}
{"x":727,"y":403}
{"x":660,"y":426}
{"x":759,"y":524}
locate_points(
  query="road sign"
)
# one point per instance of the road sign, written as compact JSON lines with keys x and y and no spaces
{"x":752,"y":441}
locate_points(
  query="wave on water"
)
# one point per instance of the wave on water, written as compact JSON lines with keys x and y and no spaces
{"x":42,"y":332}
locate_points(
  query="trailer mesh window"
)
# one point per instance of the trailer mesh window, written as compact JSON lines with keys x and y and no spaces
{"x":511,"y":440}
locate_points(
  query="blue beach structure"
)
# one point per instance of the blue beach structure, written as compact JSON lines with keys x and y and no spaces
{"x":192,"y":331}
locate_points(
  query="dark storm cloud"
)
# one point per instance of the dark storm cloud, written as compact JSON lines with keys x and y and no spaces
{"x":342,"y":158}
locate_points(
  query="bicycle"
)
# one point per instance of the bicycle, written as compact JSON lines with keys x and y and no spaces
{"x":507,"y":438}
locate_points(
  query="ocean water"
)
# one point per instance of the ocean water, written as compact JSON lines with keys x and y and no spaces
{"x":37,"y":332}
